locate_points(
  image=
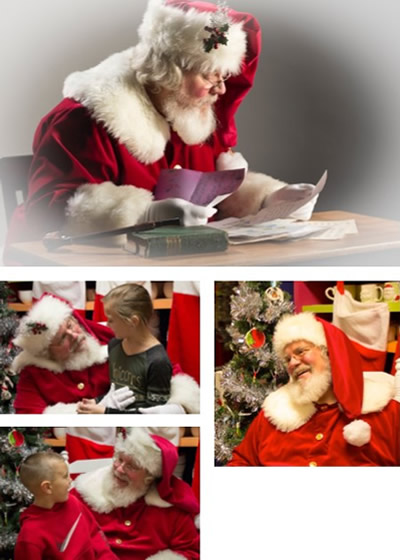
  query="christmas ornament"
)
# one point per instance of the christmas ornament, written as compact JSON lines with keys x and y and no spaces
{"x":255,"y":338}
{"x":274,"y":295}
{"x":16,"y":438}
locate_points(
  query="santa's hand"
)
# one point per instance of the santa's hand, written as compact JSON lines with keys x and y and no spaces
{"x":118,"y":398}
{"x":305,"y":212}
{"x":171,"y":408}
{"x":189,"y":214}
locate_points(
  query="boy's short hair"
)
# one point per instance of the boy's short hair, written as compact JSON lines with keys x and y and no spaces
{"x":38,"y":467}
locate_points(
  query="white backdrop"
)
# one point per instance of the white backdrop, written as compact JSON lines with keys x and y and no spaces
{"x":326,"y":94}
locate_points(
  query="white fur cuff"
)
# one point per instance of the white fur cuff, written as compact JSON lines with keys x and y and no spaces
{"x":357,"y":433}
{"x":231,"y":160}
{"x":61,"y":408}
{"x":186,"y":392}
{"x":105,"y":206}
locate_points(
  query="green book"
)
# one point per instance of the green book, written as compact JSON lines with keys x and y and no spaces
{"x":176,"y":240}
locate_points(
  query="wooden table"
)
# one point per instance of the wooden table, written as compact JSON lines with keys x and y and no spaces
{"x":375,"y":236}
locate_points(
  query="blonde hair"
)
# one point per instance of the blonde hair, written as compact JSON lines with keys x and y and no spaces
{"x":130,"y":299}
{"x":38,"y":467}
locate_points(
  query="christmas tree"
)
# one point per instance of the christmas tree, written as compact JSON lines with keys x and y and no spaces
{"x":8,"y":324}
{"x":15,"y":445}
{"x":252,"y":372}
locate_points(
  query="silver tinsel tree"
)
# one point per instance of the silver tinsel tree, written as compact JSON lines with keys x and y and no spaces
{"x":15,"y":445}
{"x":8,"y":325}
{"x":255,"y":308}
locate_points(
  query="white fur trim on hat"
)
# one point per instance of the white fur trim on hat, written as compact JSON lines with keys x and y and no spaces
{"x":302,"y":326}
{"x":139,"y":445}
{"x":169,"y":31}
{"x":40,"y":325}
{"x":357,"y":433}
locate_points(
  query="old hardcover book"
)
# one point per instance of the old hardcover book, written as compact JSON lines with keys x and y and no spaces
{"x":176,"y":240}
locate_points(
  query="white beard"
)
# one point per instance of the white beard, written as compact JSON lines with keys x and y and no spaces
{"x":312,"y":389}
{"x":117,"y":496}
{"x":193,"y":123}
{"x":88,"y":356}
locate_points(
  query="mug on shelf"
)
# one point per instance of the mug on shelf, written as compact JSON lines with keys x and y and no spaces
{"x":371,"y":293}
{"x":330,"y":292}
{"x":391,"y":291}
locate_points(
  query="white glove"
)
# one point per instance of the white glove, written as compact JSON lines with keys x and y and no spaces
{"x":118,"y":398}
{"x":188,"y":213}
{"x":304,"y":213}
{"x":171,"y":408}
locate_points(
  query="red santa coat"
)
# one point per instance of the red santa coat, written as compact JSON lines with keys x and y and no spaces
{"x":318,"y":440}
{"x":43,"y":385}
{"x":140,"y":531}
{"x":39,"y":388}
{"x":147,"y":527}
{"x":116,"y":139}
{"x":67,"y":531}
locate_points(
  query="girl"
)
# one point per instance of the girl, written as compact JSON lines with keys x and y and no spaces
{"x":136,"y":358}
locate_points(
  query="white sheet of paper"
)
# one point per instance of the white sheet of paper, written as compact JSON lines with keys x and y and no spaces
{"x":241,"y":231}
{"x":289,"y":198}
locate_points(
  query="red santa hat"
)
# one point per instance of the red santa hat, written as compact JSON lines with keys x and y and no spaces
{"x":346,"y":366}
{"x":159,"y":456}
{"x":39,"y":326}
{"x":177,"y":29}
{"x":194,"y":35}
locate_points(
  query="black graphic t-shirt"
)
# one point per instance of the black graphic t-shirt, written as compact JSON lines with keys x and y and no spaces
{"x":147,"y":374}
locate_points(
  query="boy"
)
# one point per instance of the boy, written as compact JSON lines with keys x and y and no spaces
{"x":56,"y":525}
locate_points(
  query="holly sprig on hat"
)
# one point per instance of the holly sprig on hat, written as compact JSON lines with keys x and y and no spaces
{"x":217,"y":37}
{"x":36,"y":328}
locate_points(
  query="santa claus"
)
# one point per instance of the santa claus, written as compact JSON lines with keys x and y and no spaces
{"x":330,"y":412}
{"x":169,"y":101}
{"x":64,"y":360}
{"x":145,"y":512}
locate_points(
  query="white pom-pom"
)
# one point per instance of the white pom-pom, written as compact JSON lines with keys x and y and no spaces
{"x":357,"y":433}
{"x":231,"y":160}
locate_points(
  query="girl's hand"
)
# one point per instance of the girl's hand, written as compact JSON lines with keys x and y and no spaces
{"x":89,"y":406}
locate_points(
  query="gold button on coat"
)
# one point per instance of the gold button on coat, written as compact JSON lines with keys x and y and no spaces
{"x":118,"y":541}
{"x":319,"y":436}
{"x":81,"y":386}
{"x":313,"y":464}
{"x":128,"y":523}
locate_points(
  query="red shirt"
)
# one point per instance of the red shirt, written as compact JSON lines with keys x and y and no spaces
{"x":67,"y":531}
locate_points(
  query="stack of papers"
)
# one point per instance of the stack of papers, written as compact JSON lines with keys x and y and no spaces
{"x":242,"y":231}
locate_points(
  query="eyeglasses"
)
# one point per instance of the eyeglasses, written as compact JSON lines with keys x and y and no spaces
{"x":218,"y":82}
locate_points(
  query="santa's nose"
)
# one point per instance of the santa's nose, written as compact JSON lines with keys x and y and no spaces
{"x":220,"y":88}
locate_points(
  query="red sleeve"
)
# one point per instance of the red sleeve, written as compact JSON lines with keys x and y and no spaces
{"x":185,"y":539}
{"x":246,"y":453}
{"x":24,"y":550}
{"x":70,"y":149}
{"x":28,"y":399}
